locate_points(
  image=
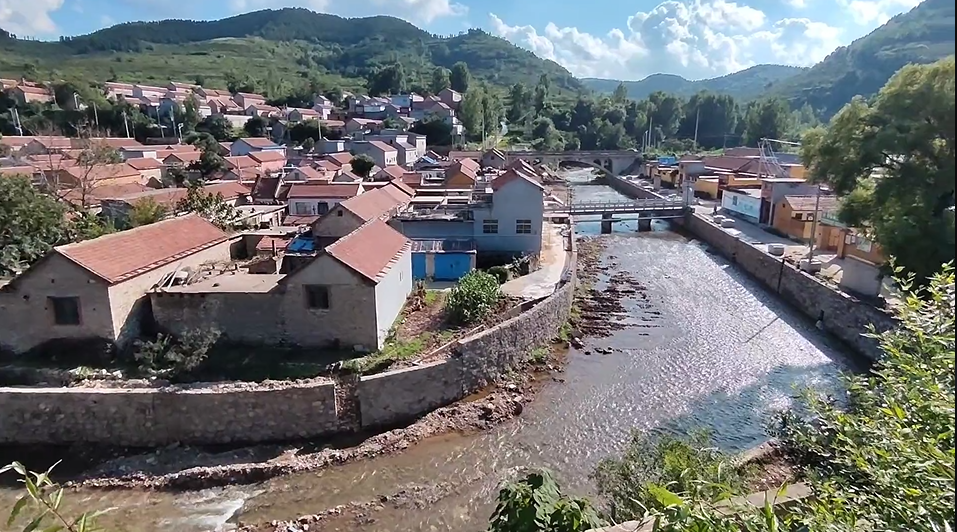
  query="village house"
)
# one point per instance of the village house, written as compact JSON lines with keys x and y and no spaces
{"x":15,"y":142}
{"x":744,"y":203}
{"x":362,"y":126}
{"x":319,"y":198}
{"x":334,"y":127}
{"x":309,"y":174}
{"x":246,"y":99}
{"x":149,"y":92}
{"x":347,"y":296}
{"x":262,"y":110}
{"x":794,"y":215}
{"x":340,"y":159}
{"x":151,"y":170}
{"x":450,"y":98}
{"x":461,"y":174}
{"x":774,"y":189}
{"x":407,"y":153}
{"x":379,"y":204}
{"x":23,"y":94}
{"x":97,"y":289}
{"x":115,"y":90}
{"x":182,"y":159}
{"x":249,"y":145}
{"x":224,"y":106}
{"x":235,"y":118}
{"x":268,"y":160}
{"x":383,"y":154}
{"x":301,"y":115}
{"x":270,"y":190}
{"x":345,"y":175}
{"x":494,"y":158}
{"x":207,"y":94}
{"x":389,"y":173}
{"x":117,"y":207}
{"x":46,"y":144}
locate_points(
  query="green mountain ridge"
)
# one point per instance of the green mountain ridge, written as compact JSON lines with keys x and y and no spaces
{"x":922,"y":35}
{"x":285,"y":43}
{"x":749,"y":83}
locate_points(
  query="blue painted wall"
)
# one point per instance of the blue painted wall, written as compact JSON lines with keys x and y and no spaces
{"x":418,"y":266}
{"x":452,"y":266}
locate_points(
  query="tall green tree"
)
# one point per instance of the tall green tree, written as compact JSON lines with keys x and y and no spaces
{"x":620,"y":96}
{"x":255,"y":127}
{"x":441,"y":80}
{"x":519,"y":103}
{"x":893,"y":162}
{"x":31,"y":224}
{"x":714,"y":116}
{"x":665,"y":113}
{"x":541,"y":93}
{"x":460,"y":78}
{"x":769,"y":118}
{"x":388,"y":80}
{"x":217,"y":126}
{"x":362,"y":164}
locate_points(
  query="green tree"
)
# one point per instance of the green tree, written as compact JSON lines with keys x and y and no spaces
{"x":769,"y":118}
{"x":519,"y":103}
{"x":41,"y":505}
{"x":146,"y":211}
{"x":308,"y":144}
{"x":460,"y":78}
{"x":213,"y":207}
{"x":894,"y":163}
{"x":387,"y":80}
{"x":665,"y":113}
{"x":437,"y":131}
{"x":441,"y":80}
{"x":473,"y":298}
{"x":255,"y":127}
{"x":620,"y":96}
{"x":472,"y":111}
{"x":31,"y":224}
{"x":713,"y":115}
{"x":361,"y":165}
{"x":217,"y":126}
{"x":541,"y":93}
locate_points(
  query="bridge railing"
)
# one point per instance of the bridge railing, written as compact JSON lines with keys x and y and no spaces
{"x":608,"y":206}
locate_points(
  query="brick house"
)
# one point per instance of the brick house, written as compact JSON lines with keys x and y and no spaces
{"x":98,"y":288}
{"x":461,"y":174}
{"x":319,"y":198}
{"x":350,"y":214}
{"x":794,"y":215}
{"x":249,"y":145}
{"x":269,"y":160}
{"x":349,"y":295}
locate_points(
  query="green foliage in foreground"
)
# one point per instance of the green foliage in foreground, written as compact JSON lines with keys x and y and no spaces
{"x":535,"y":504}
{"x":40,"y":507}
{"x":884,"y":463}
{"x":473,"y":298}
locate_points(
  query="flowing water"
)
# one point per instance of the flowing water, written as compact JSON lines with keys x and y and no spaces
{"x":707,"y":347}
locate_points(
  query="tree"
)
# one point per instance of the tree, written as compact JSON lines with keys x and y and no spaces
{"x":213,"y":207}
{"x":308,"y":144}
{"x":146,"y":211}
{"x":441,"y":80}
{"x":893,"y":162}
{"x":473,"y":298}
{"x":41,"y":504}
{"x":769,"y":118}
{"x":76,"y":184}
{"x":31,"y":224}
{"x":387,"y":80}
{"x":541,"y":93}
{"x":620,"y":96}
{"x":519,"y":103}
{"x":665,"y":113}
{"x":255,"y":127}
{"x":217,"y":126}
{"x":437,"y":131}
{"x":712,"y":116}
{"x":362,"y":165}
{"x":460,"y":79}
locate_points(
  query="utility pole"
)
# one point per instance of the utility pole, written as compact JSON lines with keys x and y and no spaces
{"x":697,"y":117}
{"x":817,"y":206}
{"x":16,"y":121}
{"x":651,"y":122}
{"x":127,"y":124}
{"x":96,"y":116}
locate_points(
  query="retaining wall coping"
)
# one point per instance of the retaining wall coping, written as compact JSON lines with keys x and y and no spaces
{"x":394,"y":372}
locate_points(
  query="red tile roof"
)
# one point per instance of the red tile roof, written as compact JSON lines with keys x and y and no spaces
{"x":382,"y":146}
{"x":376,"y":203}
{"x":267,"y":156}
{"x":340,"y":158}
{"x":270,"y":243}
{"x":806,"y":203}
{"x":405,"y":189}
{"x":144,"y":163}
{"x":510,"y":176}
{"x":185,"y":157}
{"x":370,"y":250}
{"x":171,"y":196}
{"x":85,"y":174}
{"x":258,"y":142}
{"x":120,"y":256}
{"x":325,"y":190}
{"x":300,"y":219}
{"x":393,"y":172}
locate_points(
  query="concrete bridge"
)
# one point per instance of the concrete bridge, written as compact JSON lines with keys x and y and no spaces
{"x":613,"y":162}
{"x":644,"y":210}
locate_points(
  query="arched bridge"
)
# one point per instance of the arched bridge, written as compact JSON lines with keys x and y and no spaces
{"x":614,"y":162}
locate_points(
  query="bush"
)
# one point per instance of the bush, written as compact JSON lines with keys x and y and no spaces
{"x":630,"y":483}
{"x":500,"y":273}
{"x":536,"y":503}
{"x":473,"y":298}
{"x":172,"y":357}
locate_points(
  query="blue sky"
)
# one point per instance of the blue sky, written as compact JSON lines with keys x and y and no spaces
{"x":599,"y":38}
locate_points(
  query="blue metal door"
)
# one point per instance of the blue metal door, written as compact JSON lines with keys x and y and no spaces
{"x":418,"y":266}
{"x":452,"y":266}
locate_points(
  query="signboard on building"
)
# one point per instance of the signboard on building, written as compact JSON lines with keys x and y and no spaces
{"x":667,"y":161}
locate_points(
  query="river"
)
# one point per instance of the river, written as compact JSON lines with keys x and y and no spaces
{"x":707,"y":348}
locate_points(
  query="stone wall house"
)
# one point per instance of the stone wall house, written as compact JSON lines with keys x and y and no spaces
{"x":349,"y":295}
{"x":98,"y":288}
{"x":352,"y":213}
{"x":319,"y":198}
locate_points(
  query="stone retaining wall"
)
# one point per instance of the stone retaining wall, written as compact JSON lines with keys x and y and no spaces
{"x":254,"y":413}
{"x":843,"y":316}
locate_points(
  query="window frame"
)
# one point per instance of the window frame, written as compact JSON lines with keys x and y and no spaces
{"x":317,"y":296}
{"x":524,"y":223}
{"x":56,"y":301}
{"x":490,"y":226}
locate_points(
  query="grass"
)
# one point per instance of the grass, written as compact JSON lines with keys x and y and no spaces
{"x":395,"y":351}
{"x":565,"y":333}
{"x":539,"y":355}
{"x":432,"y":297}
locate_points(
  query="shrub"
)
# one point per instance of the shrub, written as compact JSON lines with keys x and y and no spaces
{"x":473,"y":298}
{"x":500,"y":273}
{"x":172,"y":357}
{"x":630,"y":483}
{"x":536,"y":504}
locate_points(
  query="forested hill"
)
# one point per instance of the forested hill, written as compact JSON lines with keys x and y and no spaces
{"x":746,"y":84}
{"x":285,"y":41}
{"x":922,"y":35}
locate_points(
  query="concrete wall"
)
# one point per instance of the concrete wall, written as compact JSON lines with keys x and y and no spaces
{"x":844,"y":317}
{"x":247,"y":413}
{"x":742,"y":204}
{"x":238,"y":316}
{"x":517,"y":200}
{"x":390,"y":295}
{"x":337,"y":223}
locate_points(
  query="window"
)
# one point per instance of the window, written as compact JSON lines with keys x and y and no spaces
{"x":66,"y":310}
{"x":322,"y":207}
{"x":523,"y":227}
{"x":490,"y":227}
{"x":302,"y":208}
{"x":734,"y":200}
{"x":317,"y":296}
{"x":339,"y":212}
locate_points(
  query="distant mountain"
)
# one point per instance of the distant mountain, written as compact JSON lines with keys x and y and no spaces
{"x":278,"y":44}
{"x":922,"y":35}
{"x":745,"y":84}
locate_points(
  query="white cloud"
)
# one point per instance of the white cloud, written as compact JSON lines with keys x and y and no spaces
{"x":797,"y":4}
{"x":29,"y":18}
{"x":423,"y":11}
{"x":693,"y":38}
{"x":875,"y":12}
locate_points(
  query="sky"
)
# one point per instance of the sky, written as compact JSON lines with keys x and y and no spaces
{"x":613,"y":39}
